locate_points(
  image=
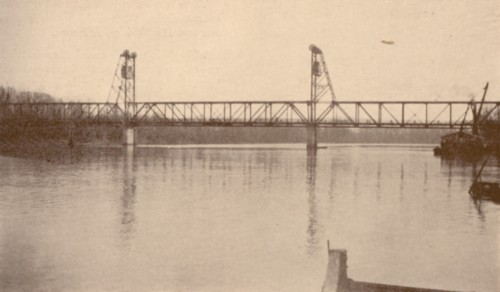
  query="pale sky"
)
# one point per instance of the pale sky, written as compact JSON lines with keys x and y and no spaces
{"x":253,"y":50}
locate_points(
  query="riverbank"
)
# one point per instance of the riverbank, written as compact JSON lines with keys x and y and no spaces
{"x":54,"y":143}
{"x":112,"y":135}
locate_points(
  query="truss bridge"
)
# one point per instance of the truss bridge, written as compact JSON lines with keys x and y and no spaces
{"x":312,"y":113}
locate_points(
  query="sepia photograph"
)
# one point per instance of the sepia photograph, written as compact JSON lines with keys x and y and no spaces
{"x":249,"y":145}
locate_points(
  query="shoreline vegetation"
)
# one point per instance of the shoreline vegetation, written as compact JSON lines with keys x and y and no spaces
{"x":32,"y":137}
{"x":11,"y":95}
{"x":491,"y":130}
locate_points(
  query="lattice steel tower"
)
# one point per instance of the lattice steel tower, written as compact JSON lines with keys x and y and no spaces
{"x":320,"y":85}
{"x":123,"y":85}
{"x":320,"y":80}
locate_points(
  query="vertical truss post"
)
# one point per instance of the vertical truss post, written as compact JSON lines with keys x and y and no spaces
{"x":426,"y":115}
{"x":403,"y":115}
{"x":204,"y":113}
{"x":380,"y":114}
{"x":451,"y":115}
{"x":356,"y":113}
{"x":224,"y":112}
{"x":270,"y":113}
{"x":244,"y":113}
{"x":250,"y":113}
{"x":191,"y":112}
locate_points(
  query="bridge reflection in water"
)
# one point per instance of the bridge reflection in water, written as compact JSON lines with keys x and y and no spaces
{"x":128,"y":198}
{"x":161,"y":218}
{"x":314,"y":225}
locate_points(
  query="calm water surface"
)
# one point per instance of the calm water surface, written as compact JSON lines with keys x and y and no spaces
{"x":221,"y":219}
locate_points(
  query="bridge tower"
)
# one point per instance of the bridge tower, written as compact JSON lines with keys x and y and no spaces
{"x":320,"y":85}
{"x":123,"y":86}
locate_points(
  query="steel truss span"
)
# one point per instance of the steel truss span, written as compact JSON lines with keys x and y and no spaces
{"x":348,"y":114}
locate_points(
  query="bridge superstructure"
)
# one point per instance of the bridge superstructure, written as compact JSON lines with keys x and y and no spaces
{"x":335,"y":114}
{"x":312,"y":113}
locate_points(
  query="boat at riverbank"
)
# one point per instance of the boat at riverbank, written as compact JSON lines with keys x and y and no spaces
{"x":468,"y":145}
{"x":461,"y":145}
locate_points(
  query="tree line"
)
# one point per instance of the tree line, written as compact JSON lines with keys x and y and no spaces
{"x":11,"y":95}
{"x":490,"y":129}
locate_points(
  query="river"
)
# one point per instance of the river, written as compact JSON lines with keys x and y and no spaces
{"x":244,"y":218}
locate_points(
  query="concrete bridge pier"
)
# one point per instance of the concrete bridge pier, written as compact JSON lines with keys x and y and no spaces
{"x":129,"y":137}
{"x":312,"y":138}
